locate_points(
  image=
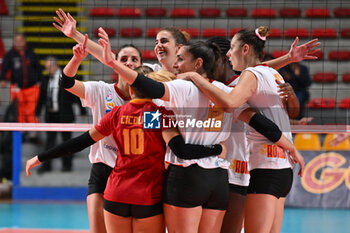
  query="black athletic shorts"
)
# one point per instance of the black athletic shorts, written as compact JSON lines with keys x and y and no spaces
{"x":234,"y":188}
{"x":98,"y":178}
{"x":276,"y":182}
{"x":195,"y":186}
{"x":135,"y":211}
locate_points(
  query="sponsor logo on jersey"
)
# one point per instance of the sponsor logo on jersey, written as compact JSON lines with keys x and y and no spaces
{"x":109,"y":97}
{"x":109,"y":104}
{"x":108,"y":147}
{"x":272,"y":151}
{"x":239,"y":166}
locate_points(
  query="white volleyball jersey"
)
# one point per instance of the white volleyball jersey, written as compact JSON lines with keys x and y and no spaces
{"x":198,"y":121}
{"x":101,"y":97}
{"x":266,"y":101}
{"x":155,"y":67}
{"x":237,"y":150}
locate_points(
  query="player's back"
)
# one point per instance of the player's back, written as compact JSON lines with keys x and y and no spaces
{"x":267,"y":101}
{"x":199,"y":121}
{"x":134,"y":142}
{"x":138,"y":175}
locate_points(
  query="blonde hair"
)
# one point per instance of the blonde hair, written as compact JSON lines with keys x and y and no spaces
{"x":186,"y":35}
{"x":161,"y":76}
{"x":144,"y":70}
{"x":264,"y":31}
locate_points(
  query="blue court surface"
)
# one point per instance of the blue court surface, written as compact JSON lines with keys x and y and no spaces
{"x":73,"y":216}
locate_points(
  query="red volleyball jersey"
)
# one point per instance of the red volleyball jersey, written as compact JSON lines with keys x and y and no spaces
{"x":138,"y":175}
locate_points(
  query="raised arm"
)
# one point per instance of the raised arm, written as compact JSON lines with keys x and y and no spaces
{"x":67,"y":80}
{"x":67,"y":148}
{"x":296,"y":54}
{"x":245,"y":88}
{"x":150,"y":88}
{"x":67,"y":25}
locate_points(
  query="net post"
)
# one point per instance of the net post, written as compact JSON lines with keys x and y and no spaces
{"x":16,"y":156}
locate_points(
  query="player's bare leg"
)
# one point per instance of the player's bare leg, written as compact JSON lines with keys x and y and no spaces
{"x":117,"y":224}
{"x":259,"y":213}
{"x":277,"y":221}
{"x":234,"y":216}
{"x":211,"y":221}
{"x":95,"y":212}
{"x":184,"y":220}
{"x":154,"y":224}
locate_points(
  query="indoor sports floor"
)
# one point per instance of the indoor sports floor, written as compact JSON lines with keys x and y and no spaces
{"x":71,"y":217}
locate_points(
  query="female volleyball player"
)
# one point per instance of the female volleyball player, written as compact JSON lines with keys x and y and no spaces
{"x":196,"y":191}
{"x":101,"y":97}
{"x":237,"y":144}
{"x":134,"y":189}
{"x":166,"y":45}
{"x":168,"y":42}
{"x":271,"y":173}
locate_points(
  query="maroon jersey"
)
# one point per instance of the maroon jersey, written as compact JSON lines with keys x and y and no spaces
{"x":138,"y":175}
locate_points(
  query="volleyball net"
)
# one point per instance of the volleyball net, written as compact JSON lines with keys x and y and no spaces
{"x":137,"y":22}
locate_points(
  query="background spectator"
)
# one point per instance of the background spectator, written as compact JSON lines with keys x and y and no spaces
{"x":58,"y":104}
{"x":25,"y":75}
{"x":299,"y":78}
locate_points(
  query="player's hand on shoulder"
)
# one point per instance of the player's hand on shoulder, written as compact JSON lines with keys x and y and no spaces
{"x":188,"y":76}
{"x":286,"y":90}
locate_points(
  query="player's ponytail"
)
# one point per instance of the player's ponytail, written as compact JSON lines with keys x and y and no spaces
{"x":161,"y":76}
{"x":200,"y":49}
{"x":187,"y":36}
{"x":217,"y":55}
{"x":262,"y":32}
{"x":255,"y":38}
